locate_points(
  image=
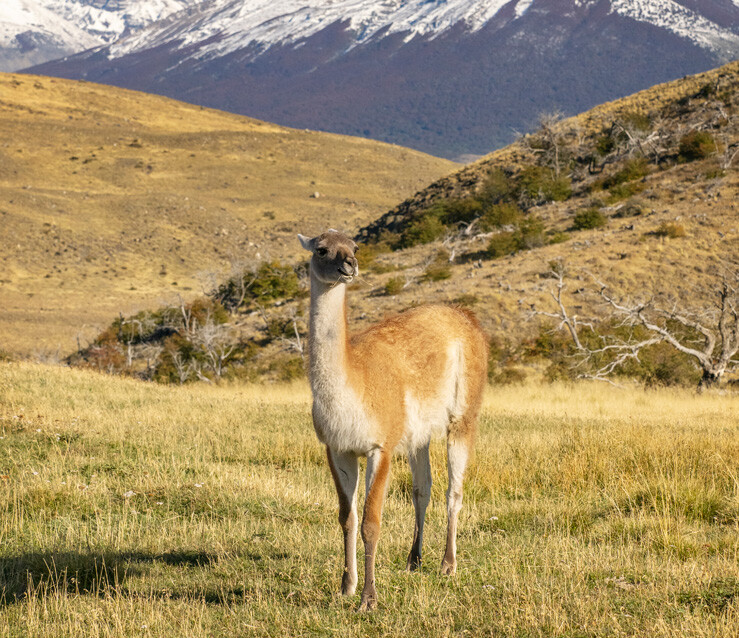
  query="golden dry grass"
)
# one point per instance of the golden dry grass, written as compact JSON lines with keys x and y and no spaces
{"x":114,"y":200}
{"x":625,"y":254}
{"x":134,"y":509}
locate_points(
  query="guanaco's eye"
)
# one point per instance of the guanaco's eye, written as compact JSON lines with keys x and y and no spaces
{"x":322,"y":252}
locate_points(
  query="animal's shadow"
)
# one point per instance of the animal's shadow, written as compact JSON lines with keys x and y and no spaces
{"x":103,"y":574}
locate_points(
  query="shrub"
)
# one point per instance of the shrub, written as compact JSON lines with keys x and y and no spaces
{"x":499,"y":215}
{"x":502,"y":244}
{"x":422,"y":231}
{"x":624,"y":191}
{"x":506,"y":376}
{"x":631,"y":208}
{"x":438,"y":269}
{"x":287,"y":368}
{"x":636,"y":120}
{"x":587,"y":218}
{"x":538,"y":184}
{"x":530,"y":233}
{"x":459,"y":210}
{"x":366,"y":256}
{"x":394,"y":285}
{"x":558,"y":238}
{"x":269,"y":281}
{"x":468,"y":300}
{"x":671,"y":230}
{"x":661,"y":365}
{"x":635,"y":168}
{"x":497,"y":187}
{"x":274,"y":280}
{"x":106,"y":353}
{"x":696,"y":145}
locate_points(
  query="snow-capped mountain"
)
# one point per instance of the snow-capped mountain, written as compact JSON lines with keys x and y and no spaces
{"x":445,"y":76}
{"x":235,"y":24}
{"x":34,"y":31}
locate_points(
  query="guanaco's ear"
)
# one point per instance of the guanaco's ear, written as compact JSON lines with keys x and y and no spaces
{"x":306,"y":242}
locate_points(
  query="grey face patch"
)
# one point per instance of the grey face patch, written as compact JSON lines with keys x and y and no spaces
{"x":333,"y":258}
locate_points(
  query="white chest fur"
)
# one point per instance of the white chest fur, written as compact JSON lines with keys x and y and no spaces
{"x":339,"y":418}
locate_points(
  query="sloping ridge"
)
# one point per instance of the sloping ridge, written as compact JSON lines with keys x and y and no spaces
{"x":469,"y":179}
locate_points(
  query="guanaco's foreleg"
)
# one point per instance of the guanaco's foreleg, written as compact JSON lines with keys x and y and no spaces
{"x":345,"y":470}
{"x":378,"y":472}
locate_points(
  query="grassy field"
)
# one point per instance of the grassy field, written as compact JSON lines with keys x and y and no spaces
{"x":129,"y":509}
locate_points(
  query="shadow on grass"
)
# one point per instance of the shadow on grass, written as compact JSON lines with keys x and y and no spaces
{"x":100,"y":574}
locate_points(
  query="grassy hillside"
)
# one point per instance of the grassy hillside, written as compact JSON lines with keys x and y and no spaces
{"x":588,"y":126}
{"x":640,"y":194}
{"x":136,"y":509}
{"x":113,"y":200}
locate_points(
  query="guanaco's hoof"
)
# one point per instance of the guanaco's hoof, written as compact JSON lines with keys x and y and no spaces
{"x":414,"y":563}
{"x":348,"y":586}
{"x":368,"y":602}
{"x":448,"y":569}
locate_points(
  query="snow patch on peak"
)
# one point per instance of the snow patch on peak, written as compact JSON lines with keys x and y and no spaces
{"x":523,"y":5}
{"x":237,"y":23}
{"x":683,"y":22}
{"x":18,"y":17}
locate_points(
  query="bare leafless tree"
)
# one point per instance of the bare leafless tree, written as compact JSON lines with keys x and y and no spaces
{"x":183,"y":367}
{"x":550,"y":140}
{"x":460,"y":237}
{"x":710,"y":335}
{"x":716,"y":327}
{"x":216,"y":342}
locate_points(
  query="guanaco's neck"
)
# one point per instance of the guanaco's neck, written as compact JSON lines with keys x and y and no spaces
{"x":329,"y":346}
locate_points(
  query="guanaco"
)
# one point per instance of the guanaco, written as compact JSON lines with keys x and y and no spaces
{"x":387,"y":388}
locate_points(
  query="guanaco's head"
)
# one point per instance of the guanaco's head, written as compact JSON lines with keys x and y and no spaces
{"x":333,"y":258}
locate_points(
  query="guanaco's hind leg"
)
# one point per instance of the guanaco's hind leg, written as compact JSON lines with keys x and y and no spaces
{"x":458,"y":452}
{"x":378,"y":472}
{"x":345,"y":470}
{"x":421,"y":470}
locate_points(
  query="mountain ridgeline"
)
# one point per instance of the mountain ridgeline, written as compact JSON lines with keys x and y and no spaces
{"x":454,"y":78}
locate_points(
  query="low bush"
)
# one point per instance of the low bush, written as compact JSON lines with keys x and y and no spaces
{"x":557,"y":238}
{"x":624,"y":191}
{"x":696,"y":145}
{"x":538,"y":184}
{"x":394,"y":285}
{"x":635,"y":168}
{"x":498,"y":187}
{"x":467,"y":299}
{"x":530,"y":233}
{"x":499,"y":215}
{"x":662,"y":365}
{"x":671,"y":230}
{"x":588,"y":218}
{"x":502,"y":244}
{"x":269,"y":281}
{"x":507,"y":375}
{"x":287,"y":368}
{"x":631,"y":208}
{"x":457,"y":211}
{"x":438,"y":269}
{"x":422,"y":231}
